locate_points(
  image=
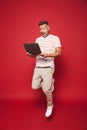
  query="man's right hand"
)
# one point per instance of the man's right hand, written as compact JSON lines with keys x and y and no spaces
{"x":27,"y":53}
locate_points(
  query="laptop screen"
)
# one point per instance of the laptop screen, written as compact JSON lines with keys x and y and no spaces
{"x":32,"y":48}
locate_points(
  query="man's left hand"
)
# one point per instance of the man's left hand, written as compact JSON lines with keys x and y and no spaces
{"x":45,"y":55}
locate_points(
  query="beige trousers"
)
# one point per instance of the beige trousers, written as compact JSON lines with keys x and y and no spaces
{"x":43,"y":78}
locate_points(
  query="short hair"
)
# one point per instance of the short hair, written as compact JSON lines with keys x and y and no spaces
{"x":43,"y":22}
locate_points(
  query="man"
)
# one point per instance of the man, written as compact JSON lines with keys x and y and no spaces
{"x":43,"y":73}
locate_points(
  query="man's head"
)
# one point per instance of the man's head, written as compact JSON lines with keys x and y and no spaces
{"x":44,"y":28}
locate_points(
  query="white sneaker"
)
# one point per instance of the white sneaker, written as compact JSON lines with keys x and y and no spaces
{"x":49,"y":110}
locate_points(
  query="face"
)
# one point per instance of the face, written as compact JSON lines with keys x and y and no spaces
{"x":44,"y":29}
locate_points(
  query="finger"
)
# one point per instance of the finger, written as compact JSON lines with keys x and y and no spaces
{"x":41,"y":54}
{"x":27,"y":53}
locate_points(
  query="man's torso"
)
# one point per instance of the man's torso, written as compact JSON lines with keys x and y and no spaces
{"x":47,"y":45}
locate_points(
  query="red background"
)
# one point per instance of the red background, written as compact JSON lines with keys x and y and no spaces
{"x":19,"y":23}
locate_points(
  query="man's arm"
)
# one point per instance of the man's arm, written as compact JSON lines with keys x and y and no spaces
{"x":56,"y":53}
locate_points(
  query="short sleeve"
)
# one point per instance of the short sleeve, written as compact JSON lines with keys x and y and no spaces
{"x":57,"y":42}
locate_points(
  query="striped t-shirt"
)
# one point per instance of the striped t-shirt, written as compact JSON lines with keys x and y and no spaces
{"x":47,"y":45}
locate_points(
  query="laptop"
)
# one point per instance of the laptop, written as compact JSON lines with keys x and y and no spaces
{"x":32,"y":48}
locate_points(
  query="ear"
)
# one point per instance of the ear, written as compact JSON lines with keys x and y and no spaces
{"x":48,"y":27}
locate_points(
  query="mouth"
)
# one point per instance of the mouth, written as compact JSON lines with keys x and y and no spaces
{"x":43,"y":33}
